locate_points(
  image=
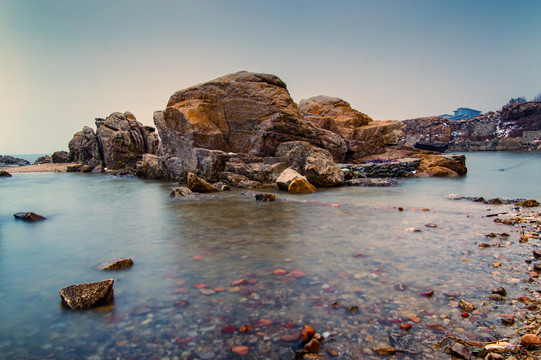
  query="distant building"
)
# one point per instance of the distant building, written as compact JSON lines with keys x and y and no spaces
{"x":461,"y":114}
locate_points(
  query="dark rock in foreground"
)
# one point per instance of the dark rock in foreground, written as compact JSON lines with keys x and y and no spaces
{"x":4,"y":173}
{"x":83,"y":296}
{"x":265,"y":197}
{"x":29,"y":216}
{"x":116,"y":264}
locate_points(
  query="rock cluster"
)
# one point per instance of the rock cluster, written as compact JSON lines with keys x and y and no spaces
{"x":118,"y":143}
{"x":242,"y":129}
{"x":6,"y":160}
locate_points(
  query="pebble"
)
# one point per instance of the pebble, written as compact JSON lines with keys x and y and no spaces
{"x":240,"y":350}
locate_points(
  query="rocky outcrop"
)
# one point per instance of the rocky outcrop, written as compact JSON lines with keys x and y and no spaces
{"x":7,"y":160}
{"x":60,"y":157}
{"x":84,"y":148}
{"x":4,"y":173}
{"x":119,"y":143}
{"x":333,"y":114}
{"x":123,"y":140}
{"x":363,"y":135}
{"x":86,"y":295}
{"x":515,"y":127}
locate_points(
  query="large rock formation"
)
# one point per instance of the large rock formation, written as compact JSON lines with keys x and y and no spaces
{"x":118,"y":144}
{"x":242,"y":113}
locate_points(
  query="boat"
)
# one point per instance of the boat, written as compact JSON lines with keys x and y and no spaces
{"x":438,"y":147}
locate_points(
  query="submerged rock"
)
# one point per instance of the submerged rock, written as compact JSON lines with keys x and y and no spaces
{"x":265,"y":197}
{"x":181,"y":191}
{"x":29,"y":216}
{"x":197,"y":184}
{"x":86,"y":295}
{"x":116,"y":264}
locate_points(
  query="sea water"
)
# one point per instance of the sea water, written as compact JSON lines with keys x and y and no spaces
{"x":355,"y":267}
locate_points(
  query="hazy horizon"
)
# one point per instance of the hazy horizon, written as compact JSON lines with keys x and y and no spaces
{"x":67,"y":63}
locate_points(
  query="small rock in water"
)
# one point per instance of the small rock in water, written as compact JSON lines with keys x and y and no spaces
{"x":405,"y":326}
{"x":431,"y":225}
{"x":507,"y":321}
{"x":537,"y":254}
{"x":312,"y":346}
{"x":29,"y":216}
{"x":116,"y":264}
{"x":82,"y":296}
{"x":460,"y":351}
{"x":181,"y":191}
{"x":4,"y":173}
{"x":385,"y":350}
{"x":265,"y":197}
{"x":412,"y":230}
{"x":466,"y":305}
{"x":530,"y":340}
{"x":307,"y":332}
{"x":501,"y":291}
{"x":240,"y":350}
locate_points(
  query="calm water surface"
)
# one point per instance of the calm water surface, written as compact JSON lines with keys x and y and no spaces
{"x":356,"y":255}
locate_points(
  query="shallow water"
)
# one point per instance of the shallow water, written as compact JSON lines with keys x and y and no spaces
{"x":358,"y":254}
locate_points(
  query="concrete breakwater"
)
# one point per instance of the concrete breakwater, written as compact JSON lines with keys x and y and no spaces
{"x":388,"y":169}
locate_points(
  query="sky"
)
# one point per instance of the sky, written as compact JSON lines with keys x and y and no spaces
{"x":64,"y":63}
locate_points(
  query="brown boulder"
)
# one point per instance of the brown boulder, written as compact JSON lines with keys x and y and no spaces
{"x":197,"y":184}
{"x":437,"y":171}
{"x":29,"y":216}
{"x":82,"y":296}
{"x":456,"y":163}
{"x":286,"y":177}
{"x":116,"y":264}
{"x":333,"y":114}
{"x":4,"y":173}
{"x":530,"y":340}
{"x":301,"y":186}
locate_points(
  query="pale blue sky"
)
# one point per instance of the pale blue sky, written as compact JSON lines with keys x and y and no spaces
{"x":65,"y":62}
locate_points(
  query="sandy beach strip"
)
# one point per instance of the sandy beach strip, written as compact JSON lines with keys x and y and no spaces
{"x":52,"y":167}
